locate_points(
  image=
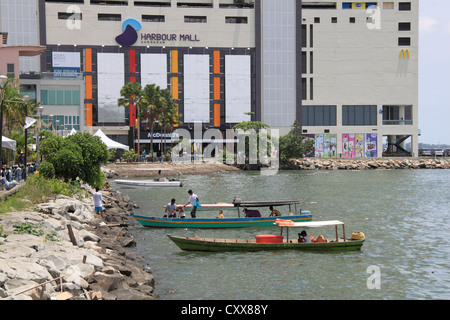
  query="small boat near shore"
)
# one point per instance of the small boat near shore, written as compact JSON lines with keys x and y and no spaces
{"x":250,"y":219}
{"x":274,"y":242}
{"x":157,"y":183}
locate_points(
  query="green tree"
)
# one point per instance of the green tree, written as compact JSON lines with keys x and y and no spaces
{"x":64,"y":155}
{"x":254,"y":140}
{"x":94,"y":153}
{"x":169,"y":117}
{"x":150,"y":109}
{"x":79,"y":155}
{"x":293,"y":145}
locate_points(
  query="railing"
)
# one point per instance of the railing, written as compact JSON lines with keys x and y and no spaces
{"x":397,"y":122}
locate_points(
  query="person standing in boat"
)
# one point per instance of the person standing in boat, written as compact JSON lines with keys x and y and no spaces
{"x":193,"y":198}
{"x":171,"y":209}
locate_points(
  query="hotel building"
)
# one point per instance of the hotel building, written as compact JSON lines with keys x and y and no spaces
{"x":347,"y":72}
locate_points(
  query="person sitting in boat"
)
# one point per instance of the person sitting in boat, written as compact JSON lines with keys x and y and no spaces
{"x":171,"y":209}
{"x":303,"y":237}
{"x":220,"y":216}
{"x":181,"y":213}
{"x":274,"y":212}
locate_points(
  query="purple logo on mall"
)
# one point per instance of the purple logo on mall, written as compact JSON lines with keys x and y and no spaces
{"x":129,"y":35}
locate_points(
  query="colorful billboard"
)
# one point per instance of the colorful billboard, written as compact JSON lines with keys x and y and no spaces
{"x":359,"y":145}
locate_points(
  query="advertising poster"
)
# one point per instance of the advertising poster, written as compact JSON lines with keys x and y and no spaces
{"x":371,"y":145}
{"x":66,"y":64}
{"x":329,"y":145}
{"x":359,"y":145}
{"x":325,"y":146}
{"x":318,"y":146}
{"x":348,"y":145}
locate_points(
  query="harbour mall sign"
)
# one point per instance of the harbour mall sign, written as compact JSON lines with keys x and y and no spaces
{"x":130,"y":36}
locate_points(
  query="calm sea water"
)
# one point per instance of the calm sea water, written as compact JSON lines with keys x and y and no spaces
{"x":403,"y":213}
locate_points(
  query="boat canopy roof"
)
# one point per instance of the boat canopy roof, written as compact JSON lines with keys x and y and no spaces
{"x":315,"y":224}
{"x":247,"y":204}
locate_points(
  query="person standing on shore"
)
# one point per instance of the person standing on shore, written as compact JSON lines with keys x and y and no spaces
{"x":192,"y":200}
{"x":98,"y":198}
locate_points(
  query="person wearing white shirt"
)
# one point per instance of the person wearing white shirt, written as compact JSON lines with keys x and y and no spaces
{"x":192,"y":199}
{"x":98,"y":198}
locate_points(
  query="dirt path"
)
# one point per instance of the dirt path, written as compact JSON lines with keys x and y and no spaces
{"x":168,"y":169}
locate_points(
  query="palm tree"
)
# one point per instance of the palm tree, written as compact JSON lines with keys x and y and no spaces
{"x":14,"y":109}
{"x":150,"y":108}
{"x":169,"y":114}
{"x":131,"y":94}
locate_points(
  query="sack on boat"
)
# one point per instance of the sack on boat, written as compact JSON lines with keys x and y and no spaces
{"x":320,"y":238}
{"x":358,"y":236}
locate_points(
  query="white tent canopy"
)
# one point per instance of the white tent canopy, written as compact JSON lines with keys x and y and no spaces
{"x":111,"y":144}
{"x":8,"y":143}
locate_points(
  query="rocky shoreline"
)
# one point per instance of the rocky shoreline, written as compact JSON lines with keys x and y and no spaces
{"x":366,"y":164}
{"x":74,"y":253}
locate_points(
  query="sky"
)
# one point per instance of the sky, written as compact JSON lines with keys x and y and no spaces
{"x":434,"y":71}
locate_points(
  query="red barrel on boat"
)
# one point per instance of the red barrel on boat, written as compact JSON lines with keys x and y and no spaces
{"x":269,"y":238}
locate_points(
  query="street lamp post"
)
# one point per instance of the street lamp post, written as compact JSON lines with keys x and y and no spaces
{"x":26,"y":99}
{"x":3,"y":82}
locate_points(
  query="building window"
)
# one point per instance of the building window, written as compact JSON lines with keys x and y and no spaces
{"x":352,"y":20}
{"x":153,"y":18}
{"x":243,"y":20}
{"x":404,"y":6}
{"x":316,"y":20}
{"x":304,"y":36}
{"x":388,"y":5}
{"x":195,"y":19}
{"x":10,"y":70}
{"x":404,"y":26}
{"x":60,"y":97}
{"x":318,"y":115}
{"x":109,"y":17}
{"x":404,"y":41}
{"x":71,"y":15}
{"x":334,"y":20}
{"x":359,"y":115}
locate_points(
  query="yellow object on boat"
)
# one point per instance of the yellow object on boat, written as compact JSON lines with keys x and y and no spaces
{"x":358,"y":236}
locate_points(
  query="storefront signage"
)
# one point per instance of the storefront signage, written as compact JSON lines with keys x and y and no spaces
{"x":129,"y":37}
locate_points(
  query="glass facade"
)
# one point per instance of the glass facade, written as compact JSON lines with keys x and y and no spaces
{"x":279,"y":62}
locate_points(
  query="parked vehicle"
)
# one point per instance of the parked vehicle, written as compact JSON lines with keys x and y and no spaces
{"x":438,"y":152}
{"x":425,"y":152}
{"x":446,"y":152}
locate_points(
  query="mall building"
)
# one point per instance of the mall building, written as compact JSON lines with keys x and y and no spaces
{"x":347,"y":72}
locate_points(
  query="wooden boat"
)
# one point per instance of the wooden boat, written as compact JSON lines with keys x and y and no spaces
{"x":272,"y":242}
{"x":150,"y":183}
{"x":228,"y":222}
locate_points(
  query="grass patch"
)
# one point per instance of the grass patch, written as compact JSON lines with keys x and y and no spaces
{"x":37,"y":190}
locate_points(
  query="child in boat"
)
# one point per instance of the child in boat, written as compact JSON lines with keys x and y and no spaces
{"x":181,"y":212}
{"x":220,"y":216}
